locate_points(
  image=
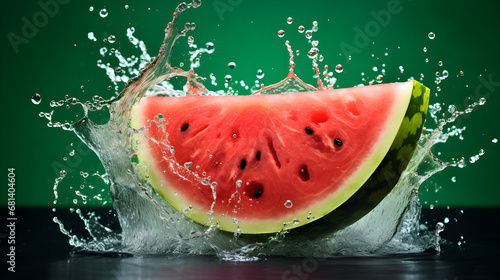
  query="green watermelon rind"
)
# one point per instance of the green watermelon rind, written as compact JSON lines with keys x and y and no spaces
{"x":330,"y":209}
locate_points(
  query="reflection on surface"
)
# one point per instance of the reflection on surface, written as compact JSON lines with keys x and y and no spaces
{"x":418,"y":266}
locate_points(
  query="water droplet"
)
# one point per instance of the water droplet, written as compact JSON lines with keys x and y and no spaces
{"x":452,"y":109}
{"x":112,"y":39}
{"x":296,"y":221}
{"x":235,"y":221}
{"x":91,"y":36}
{"x":228,"y":78}
{"x":440,"y":63}
{"x":425,"y":49}
{"x":481,"y":152}
{"x":315,"y":26}
{"x":445,"y":74}
{"x":210,"y":47}
{"x":103,"y":51}
{"x":301,"y":29}
{"x":237,"y":233}
{"x":313,"y":53}
{"x":461,"y":163}
{"x":309,"y":34}
{"x":181,"y":7}
{"x":432,"y":35}
{"x":103,"y":13}
{"x":289,"y":20}
{"x":91,"y":8}
{"x":494,"y":140}
{"x":260,"y":74}
{"x":379,"y":78}
{"x":36,"y":99}
{"x":231,"y":65}
{"x":439,"y":227}
{"x":126,"y":6}
{"x":188,"y":164}
{"x":281,"y":33}
{"x":473,"y":159}
{"x":446,"y":220}
{"x":234,"y":135}
{"x":339,"y":68}
{"x":426,"y":60}
{"x":238,"y":183}
{"x":482,"y":100}
{"x":190,"y":26}
{"x":453,"y":179}
{"x":431,"y":206}
{"x":288,"y":204}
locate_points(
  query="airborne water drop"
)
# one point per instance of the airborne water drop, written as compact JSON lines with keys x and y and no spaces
{"x":260,"y":74}
{"x":339,"y":68}
{"x":36,"y":98}
{"x":103,"y":13}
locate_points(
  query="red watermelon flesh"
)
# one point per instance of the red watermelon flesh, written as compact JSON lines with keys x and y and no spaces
{"x":264,"y":163}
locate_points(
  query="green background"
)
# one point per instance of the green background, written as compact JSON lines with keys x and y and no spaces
{"x":59,"y":59}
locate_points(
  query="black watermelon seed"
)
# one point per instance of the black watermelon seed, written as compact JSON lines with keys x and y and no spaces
{"x":243,"y":163}
{"x":337,"y":142}
{"x":184,"y":127}
{"x":304,"y":173}
{"x":309,"y":130}
{"x":257,"y":194}
{"x":257,"y":156}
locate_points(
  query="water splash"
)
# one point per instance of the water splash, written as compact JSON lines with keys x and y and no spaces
{"x":149,"y":225}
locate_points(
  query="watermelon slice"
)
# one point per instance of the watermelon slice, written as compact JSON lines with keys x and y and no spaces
{"x":266,"y":163}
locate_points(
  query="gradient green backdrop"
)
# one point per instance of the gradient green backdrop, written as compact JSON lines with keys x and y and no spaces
{"x":58,"y":59}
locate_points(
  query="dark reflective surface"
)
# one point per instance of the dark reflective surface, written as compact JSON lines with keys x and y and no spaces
{"x":422,"y":266}
{"x":43,"y":253}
